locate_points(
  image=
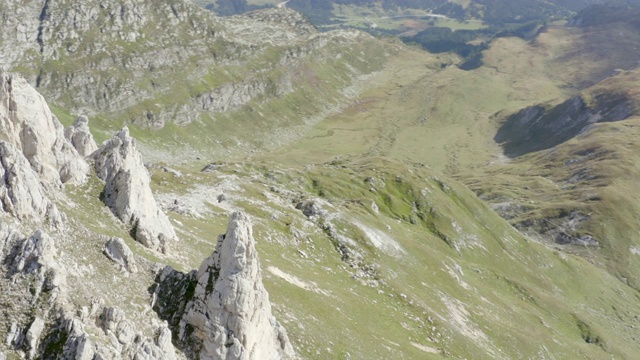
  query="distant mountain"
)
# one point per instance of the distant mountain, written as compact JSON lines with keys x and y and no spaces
{"x":613,"y":12}
{"x":491,"y":11}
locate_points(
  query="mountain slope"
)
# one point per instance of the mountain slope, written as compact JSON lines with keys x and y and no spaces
{"x":173,"y":64}
{"x":572,"y":193}
{"x":341,"y":150}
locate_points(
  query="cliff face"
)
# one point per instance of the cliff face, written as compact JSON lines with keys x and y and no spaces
{"x":536,"y":128}
{"x":35,"y":161}
{"x":27,"y":123}
{"x":46,"y":318}
{"x":230,"y":310}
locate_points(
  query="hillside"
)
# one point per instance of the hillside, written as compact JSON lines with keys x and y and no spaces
{"x":178,"y":185}
{"x":193,"y":73}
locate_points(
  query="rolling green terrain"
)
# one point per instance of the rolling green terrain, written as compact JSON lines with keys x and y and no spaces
{"x":403,"y":207}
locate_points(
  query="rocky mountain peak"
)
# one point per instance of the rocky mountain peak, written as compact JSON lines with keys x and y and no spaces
{"x":230,"y":311}
{"x":127,"y":191}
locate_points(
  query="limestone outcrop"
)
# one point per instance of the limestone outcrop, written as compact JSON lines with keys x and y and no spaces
{"x":8,"y":237}
{"x":34,"y":256}
{"x":117,"y":251}
{"x":130,"y":344}
{"x":127,"y":191}
{"x":27,"y":123}
{"x":80,"y":136}
{"x":35,"y":157}
{"x":21,"y":193}
{"x":230,"y":312}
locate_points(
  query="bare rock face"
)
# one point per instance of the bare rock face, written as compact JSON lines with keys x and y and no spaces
{"x":21,"y":193}
{"x":8,"y":237}
{"x":132,"y":345}
{"x":35,"y":253}
{"x":27,"y":123}
{"x":33,"y":336}
{"x":119,"y":252}
{"x":34,"y":256}
{"x":127,"y":191}
{"x":80,"y":136}
{"x":230,"y":311}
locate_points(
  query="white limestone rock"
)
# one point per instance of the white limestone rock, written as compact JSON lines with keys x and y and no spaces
{"x":15,"y":335}
{"x":27,"y":123}
{"x":110,"y":318}
{"x":230,"y":310}
{"x":9,"y":236}
{"x":118,"y":251}
{"x":78,"y":345}
{"x":163,"y":341}
{"x":36,"y":256}
{"x":80,"y":136}
{"x":21,"y":193}
{"x":132,"y":345}
{"x":33,"y":336}
{"x":34,"y":253}
{"x":127,"y":191}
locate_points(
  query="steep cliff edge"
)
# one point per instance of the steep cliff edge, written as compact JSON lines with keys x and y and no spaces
{"x":39,"y":274}
{"x":36,"y":160}
{"x":537,"y":128}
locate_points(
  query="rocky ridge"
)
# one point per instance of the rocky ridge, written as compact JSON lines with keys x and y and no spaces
{"x":41,"y":281}
{"x":27,"y":123}
{"x":21,"y":193}
{"x":36,"y":159}
{"x":537,"y":128}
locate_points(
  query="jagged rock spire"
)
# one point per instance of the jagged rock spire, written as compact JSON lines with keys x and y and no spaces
{"x":230,"y":310}
{"x":127,"y":191}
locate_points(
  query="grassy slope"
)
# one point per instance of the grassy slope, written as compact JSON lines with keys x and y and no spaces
{"x":592,"y":175}
{"x":319,"y":83}
{"x":468,"y":285}
{"x":446,"y":292}
{"x":441,"y":117}
{"x":374,"y":17}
